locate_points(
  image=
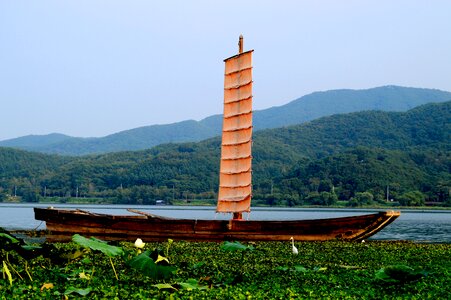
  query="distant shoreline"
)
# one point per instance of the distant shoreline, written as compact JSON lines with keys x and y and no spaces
{"x":210,"y":203}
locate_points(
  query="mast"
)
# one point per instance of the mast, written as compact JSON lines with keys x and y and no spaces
{"x":235,"y":176}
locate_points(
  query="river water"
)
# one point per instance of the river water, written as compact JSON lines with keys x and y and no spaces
{"x":432,"y":226}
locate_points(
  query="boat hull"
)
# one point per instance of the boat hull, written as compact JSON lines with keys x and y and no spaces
{"x":62,"y":224}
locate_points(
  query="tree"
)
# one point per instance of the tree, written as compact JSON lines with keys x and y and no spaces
{"x":31,"y":195}
{"x":365,"y":198}
{"x":328,"y":198}
{"x":323,"y":198}
{"x":413,"y":198}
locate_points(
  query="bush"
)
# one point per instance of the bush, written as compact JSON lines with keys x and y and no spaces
{"x":413,"y":198}
{"x":323,"y":198}
{"x":365,"y":198}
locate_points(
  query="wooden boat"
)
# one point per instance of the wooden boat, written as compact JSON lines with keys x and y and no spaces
{"x":64,"y":223}
{"x":234,"y":196}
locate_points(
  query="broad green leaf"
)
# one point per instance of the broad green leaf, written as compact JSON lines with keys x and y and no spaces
{"x":148,"y":267}
{"x":399,"y":274}
{"x":165,"y":272}
{"x":81,"y":292}
{"x":299,"y":268}
{"x":145,"y":264}
{"x":235,"y":246}
{"x":9,"y":237}
{"x":381,"y":275}
{"x":31,"y":247}
{"x":192,"y":284}
{"x":96,"y":244}
{"x":96,"y":239}
{"x":161,"y":286}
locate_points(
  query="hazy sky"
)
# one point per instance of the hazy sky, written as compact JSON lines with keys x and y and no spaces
{"x":92,"y":68}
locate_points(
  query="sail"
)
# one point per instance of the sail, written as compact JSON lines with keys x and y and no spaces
{"x":235,"y":177}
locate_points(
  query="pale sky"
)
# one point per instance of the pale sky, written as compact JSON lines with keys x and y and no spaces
{"x":92,"y":68}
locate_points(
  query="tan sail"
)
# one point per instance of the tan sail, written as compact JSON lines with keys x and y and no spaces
{"x":235,"y":178}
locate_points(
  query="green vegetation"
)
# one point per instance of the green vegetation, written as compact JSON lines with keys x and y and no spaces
{"x":264,"y":270}
{"x":304,"y":109}
{"x":353,"y":158}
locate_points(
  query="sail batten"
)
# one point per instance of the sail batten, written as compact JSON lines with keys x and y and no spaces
{"x":238,"y":71}
{"x":235,"y":176}
{"x":237,"y":129}
{"x":237,"y":86}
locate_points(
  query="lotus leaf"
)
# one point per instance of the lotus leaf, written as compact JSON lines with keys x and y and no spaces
{"x":96,"y":244}
{"x":235,"y":246}
{"x":81,"y":292}
{"x":148,"y":267}
{"x":399,"y":274}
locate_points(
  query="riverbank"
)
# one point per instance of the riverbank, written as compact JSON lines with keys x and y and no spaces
{"x":262,"y":270}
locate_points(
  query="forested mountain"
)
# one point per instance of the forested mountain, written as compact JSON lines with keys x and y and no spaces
{"x":35,"y":141}
{"x":369,"y":173}
{"x":306,"y":108}
{"x":320,"y":104}
{"x":350,"y":156}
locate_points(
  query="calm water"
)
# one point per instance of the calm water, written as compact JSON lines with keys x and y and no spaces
{"x":422,"y":226}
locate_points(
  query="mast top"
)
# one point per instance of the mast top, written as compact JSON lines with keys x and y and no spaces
{"x":240,"y":44}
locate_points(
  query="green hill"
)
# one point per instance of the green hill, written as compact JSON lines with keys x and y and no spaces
{"x":320,"y":104}
{"x":346,"y":155}
{"x":35,"y":141}
{"x":306,"y":108}
{"x":365,"y":170}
